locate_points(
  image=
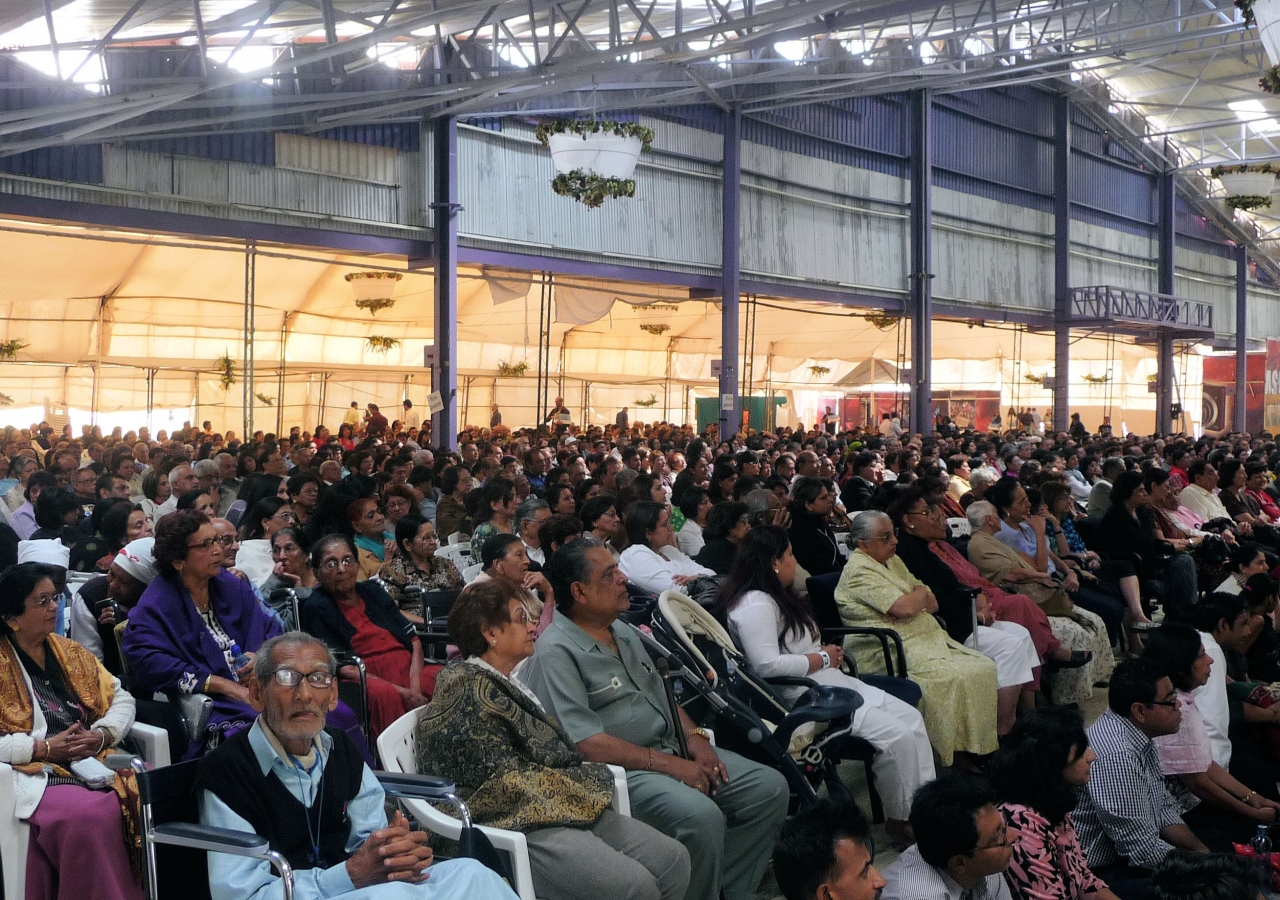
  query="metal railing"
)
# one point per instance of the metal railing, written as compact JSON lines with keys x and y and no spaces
{"x":1104,"y":302}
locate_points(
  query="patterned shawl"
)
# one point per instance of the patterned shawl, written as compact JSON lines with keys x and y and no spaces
{"x":94,"y":687}
{"x":513,"y":764}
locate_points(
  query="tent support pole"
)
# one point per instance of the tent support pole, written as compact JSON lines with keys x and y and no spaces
{"x":445,"y":374}
{"x":921,"y":264}
{"x":730,"y":240}
{"x":1164,"y":345}
{"x":1061,"y":262}
{"x":1242,"y":336}
{"x":324,"y":395}
{"x":250,"y":279}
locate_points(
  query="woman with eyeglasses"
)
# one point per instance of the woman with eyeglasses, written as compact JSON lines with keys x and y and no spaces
{"x":416,"y":565}
{"x":196,"y":627}
{"x":359,"y":617}
{"x":517,"y":769}
{"x":959,"y":684}
{"x":59,"y":706}
{"x":1186,"y":756}
{"x":1036,"y":774}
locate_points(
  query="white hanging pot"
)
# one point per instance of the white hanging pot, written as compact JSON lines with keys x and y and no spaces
{"x":1266,"y":14}
{"x":606,"y":155}
{"x":1247,"y":184}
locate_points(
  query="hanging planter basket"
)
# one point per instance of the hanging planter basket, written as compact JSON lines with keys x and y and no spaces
{"x":1266,"y":15}
{"x":1247,"y":181}
{"x":1247,"y":202}
{"x":374,"y":290}
{"x":1270,"y":80}
{"x":594,"y":159}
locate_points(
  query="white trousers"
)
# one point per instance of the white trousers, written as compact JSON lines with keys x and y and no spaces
{"x":904,"y":757}
{"x":1009,"y":646}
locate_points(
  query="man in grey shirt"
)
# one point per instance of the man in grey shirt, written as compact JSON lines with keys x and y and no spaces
{"x":1100,"y":495}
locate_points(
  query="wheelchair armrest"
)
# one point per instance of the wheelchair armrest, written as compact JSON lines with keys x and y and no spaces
{"x":791,"y":681}
{"x":884,"y":635}
{"x":209,"y":837}
{"x":432,"y":788}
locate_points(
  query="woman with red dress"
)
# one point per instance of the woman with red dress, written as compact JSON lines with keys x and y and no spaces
{"x":361,"y":618}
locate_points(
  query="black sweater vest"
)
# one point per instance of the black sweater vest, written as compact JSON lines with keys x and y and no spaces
{"x":232,"y":774}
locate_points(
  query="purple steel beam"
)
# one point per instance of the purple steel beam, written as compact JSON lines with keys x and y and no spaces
{"x":922,"y":263}
{"x":444,"y":376}
{"x":1164,"y":343}
{"x":1242,"y":336}
{"x":1061,"y":261}
{"x":730,"y":242}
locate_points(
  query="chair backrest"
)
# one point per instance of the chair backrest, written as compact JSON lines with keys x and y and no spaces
{"x":119,"y":633}
{"x":234,"y":512}
{"x":398,"y":746}
{"x":437,"y":604}
{"x":822,"y":595}
{"x":960,"y":527}
{"x":166,"y":795}
{"x":457,"y":538}
{"x":470,"y":573}
{"x":458,"y":554}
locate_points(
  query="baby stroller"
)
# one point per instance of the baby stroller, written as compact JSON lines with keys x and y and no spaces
{"x":713,"y":680}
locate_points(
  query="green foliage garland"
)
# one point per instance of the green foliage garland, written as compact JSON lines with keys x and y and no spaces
{"x":1247,"y":202}
{"x":590,"y":189}
{"x":595,"y":126}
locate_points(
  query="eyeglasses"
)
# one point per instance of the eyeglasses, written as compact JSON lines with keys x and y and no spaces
{"x":332,"y":565}
{"x":886,"y":537}
{"x":226,"y":540}
{"x":521,"y":618}
{"x":1003,"y":842}
{"x":43,"y":602}
{"x":1171,"y":704}
{"x":287,"y":548}
{"x":206,"y":544}
{"x":284,"y":516}
{"x":429,"y":539}
{"x":291,"y":678}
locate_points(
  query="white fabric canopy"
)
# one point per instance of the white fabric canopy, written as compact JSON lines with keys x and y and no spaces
{"x":117,"y":321}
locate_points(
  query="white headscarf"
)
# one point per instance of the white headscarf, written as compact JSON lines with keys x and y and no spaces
{"x":50,"y":552}
{"x":138,"y":559}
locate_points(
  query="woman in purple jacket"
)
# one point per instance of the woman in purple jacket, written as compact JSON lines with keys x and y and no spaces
{"x":196,"y":630}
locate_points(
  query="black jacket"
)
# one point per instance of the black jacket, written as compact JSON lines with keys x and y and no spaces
{"x":322,"y":618}
{"x":814,"y":544}
{"x":857,"y":494}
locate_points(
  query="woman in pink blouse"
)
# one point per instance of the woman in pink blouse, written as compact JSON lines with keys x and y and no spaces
{"x":1036,"y":772}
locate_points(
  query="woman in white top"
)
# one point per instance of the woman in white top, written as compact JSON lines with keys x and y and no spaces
{"x":778,"y":635}
{"x":652,"y":562}
{"x":696,"y":505}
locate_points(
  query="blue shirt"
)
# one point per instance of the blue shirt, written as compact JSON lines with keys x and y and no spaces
{"x":243,"y":878}
{"x":1022,"y":539}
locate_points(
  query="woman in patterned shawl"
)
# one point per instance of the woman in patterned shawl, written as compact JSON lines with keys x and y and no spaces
{"x":58,"y":706}
{"x":517,"y":769}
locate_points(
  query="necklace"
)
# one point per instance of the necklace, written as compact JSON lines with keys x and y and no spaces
{"x":312,"y":835}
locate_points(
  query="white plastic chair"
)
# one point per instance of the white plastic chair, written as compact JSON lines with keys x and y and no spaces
{"x":458,"y":554}
{"x":15,"y":834}
{"x":398,"y":750}
{"x":470,"y":573}
{"x":457,"y":538}
{"x":960,"y":527}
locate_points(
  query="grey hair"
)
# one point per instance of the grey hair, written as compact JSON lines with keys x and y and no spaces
{"x":625,"y":477}
{"x":528,"y":510}
{"x":982,"y":477}
{"x":977,"y":513}
{"x":224,"y":453}
{"x":758,"y":503}
{"x":205,"y":467}
{"x":263,"y":665}
{"x":863,"y":526}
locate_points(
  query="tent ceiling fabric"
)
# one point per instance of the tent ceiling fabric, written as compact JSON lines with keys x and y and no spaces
{"x":133,"y":303}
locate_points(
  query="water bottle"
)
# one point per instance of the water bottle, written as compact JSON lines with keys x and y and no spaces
{"x":1261,"y":845}
{"x":238,"y":659}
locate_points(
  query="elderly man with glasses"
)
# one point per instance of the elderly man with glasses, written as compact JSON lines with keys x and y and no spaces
{"x":308,"y":791}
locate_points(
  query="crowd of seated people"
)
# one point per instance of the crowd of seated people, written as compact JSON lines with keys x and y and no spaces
{"x":1075,"y":544}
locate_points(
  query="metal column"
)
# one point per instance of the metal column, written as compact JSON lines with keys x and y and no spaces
{"x":921,"y":262}
{"x":1164,"y":340}
{"x":1242,"y":337}
{"x":247,"y":355}
{"x":730,"y":238}
{"x":444,"y":377}
{"x":1061,"y":262}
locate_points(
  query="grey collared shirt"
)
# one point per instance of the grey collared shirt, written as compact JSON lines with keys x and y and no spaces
{"x":909,"y":877}
{"x":591,"y":690}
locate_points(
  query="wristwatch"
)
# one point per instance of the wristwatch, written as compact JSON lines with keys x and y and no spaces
{"x":700,"y":732}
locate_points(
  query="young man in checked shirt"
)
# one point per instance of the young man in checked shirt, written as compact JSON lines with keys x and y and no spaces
{"x":1126,"y":819}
